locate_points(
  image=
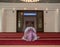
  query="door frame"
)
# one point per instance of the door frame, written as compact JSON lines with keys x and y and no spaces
{"x":36,"y":18}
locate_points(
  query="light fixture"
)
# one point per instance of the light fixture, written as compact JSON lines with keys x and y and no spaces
{"x":46,"y":10}
{"x":2,"y":10}
{"x":57,"y":10}
{"x":25,"y":8}
{"x":30,"y":0}
{"x":13,"y":10}
{"x":35,"y":8}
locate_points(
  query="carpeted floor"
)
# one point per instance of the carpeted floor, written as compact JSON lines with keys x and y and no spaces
{"x":21,"y":42}
{"x":15,"y":39}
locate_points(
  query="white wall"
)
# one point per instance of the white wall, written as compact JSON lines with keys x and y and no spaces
{"x":9,"y":21}
{"x":49,"y":21}
{"x":0,"y":20}
{"x":59,"y":21}
{"x":50,"y":18}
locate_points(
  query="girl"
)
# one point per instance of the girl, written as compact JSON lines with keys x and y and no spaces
{"x":30,"y":34}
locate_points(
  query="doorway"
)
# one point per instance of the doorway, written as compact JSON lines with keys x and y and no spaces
{"x":34,"y":17}
{"x":31,"y":20}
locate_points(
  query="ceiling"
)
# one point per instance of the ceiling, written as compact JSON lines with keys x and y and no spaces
{"x":41,"y":1}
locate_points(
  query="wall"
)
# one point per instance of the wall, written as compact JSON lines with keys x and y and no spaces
{"x":51,"y":17}
{"x":59,"y":21}
{"x":9,"y":21}
{"x":49,"y":21}
{"x":0,"y":20}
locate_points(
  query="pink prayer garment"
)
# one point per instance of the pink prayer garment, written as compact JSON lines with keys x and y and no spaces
{"x":30,"y":34}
